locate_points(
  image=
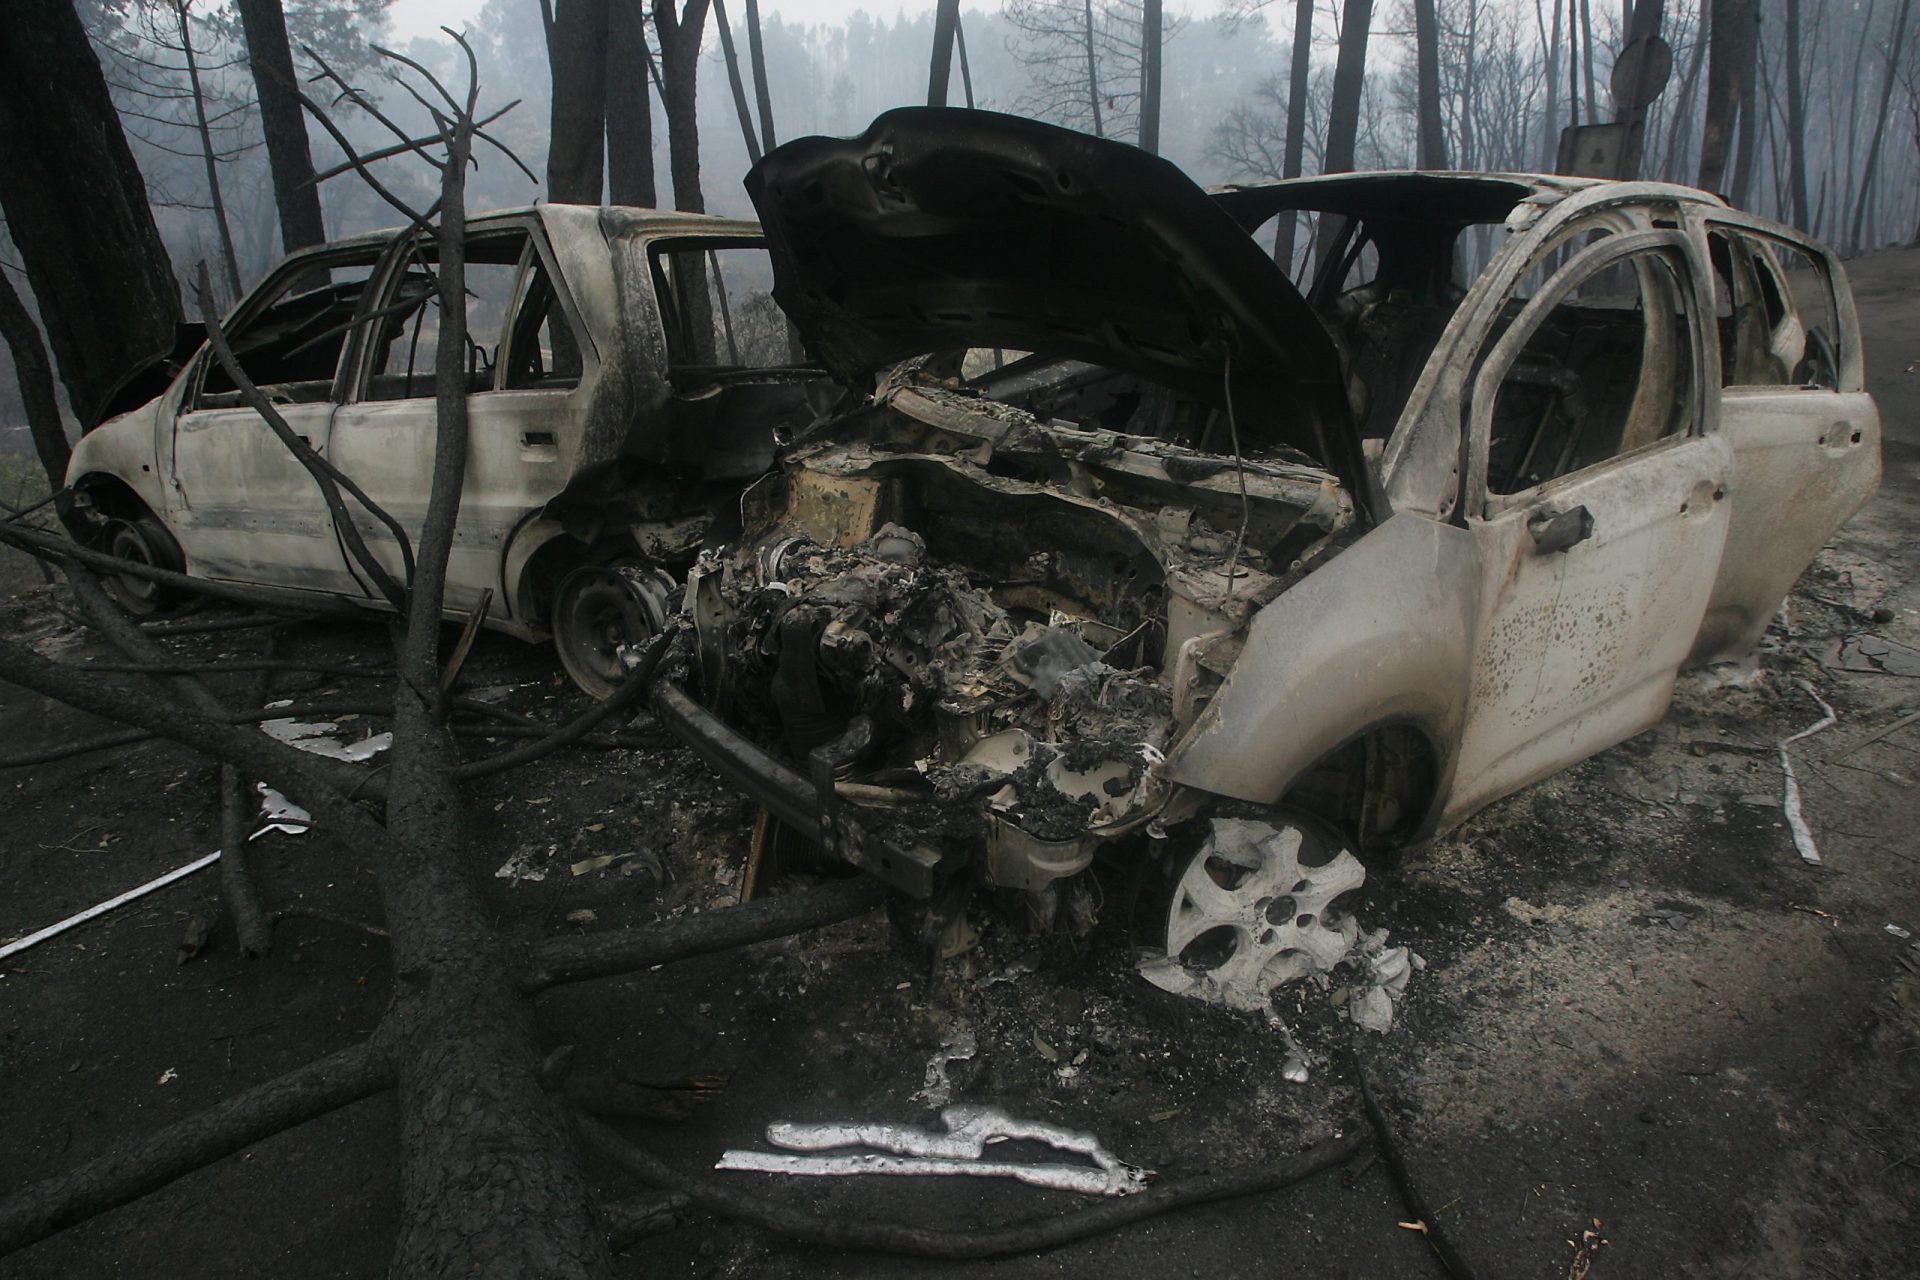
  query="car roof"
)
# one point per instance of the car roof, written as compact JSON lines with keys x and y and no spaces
{"x":1443,"y":195}
{"x":566,"y":219}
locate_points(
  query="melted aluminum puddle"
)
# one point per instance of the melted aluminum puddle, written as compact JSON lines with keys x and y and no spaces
{"x":902,"y":1149}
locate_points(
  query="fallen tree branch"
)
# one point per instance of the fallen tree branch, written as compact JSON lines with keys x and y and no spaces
{"x":631,"y":690}
{"x":604,"y":955}
{"x":967,"y":1243}
{"x":35,"y":542}
{"x":631,"y":1221}
{"x":245,"y":622}
{"x":306,"y":1093}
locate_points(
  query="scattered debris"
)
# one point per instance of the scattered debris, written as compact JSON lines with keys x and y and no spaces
{"x":1902,"y":934}
{"x":525,"y":864}
{"x":168,"y":1076}
{"x":1585,"y":1249}
{"x":959,"y":1046}
{"x":160,"y":882}
{"x":902,"y":1149}
{"x":317,"y":738}
{"x":1790,"y":802}
{"x":1868,"y":652}
{"x":197,"y":938}
{"x":594,"y":863}
{"x":278,"y":813}
{"x":582,"y":915}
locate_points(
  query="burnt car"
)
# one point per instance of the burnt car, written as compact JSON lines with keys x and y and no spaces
{"x":1136,"y":548}
{"x":626,"y":375}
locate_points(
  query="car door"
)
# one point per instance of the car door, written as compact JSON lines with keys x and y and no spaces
{"x":529,"y":368}
{"x":1805,"y":435}
{"x":244,"y":507}
{"x":1594,"y":498}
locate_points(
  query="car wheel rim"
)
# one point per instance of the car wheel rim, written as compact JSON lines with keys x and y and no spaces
{"x":598,"y":616}
{"x":1249,"y":910}
{"x":137,"y":594}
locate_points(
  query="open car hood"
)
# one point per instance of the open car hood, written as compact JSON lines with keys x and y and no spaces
{"x":943,"y":228}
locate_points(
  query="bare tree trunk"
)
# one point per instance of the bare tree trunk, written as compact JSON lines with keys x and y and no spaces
{"x":577,"y":56}
{"x":1684,"y":108}
{"x":763,"y":93}
{"x":1093,"y":67}
{"x":1865,"y":197}
{"x":76,"y":205}
{"x":946,"y":17}
{"x":1550,"y":127}
{"x":35,"y":376}
{"x":206,"y":152}
{"x":1586,"y":41}
{"x":1296,"y":140}
{"x":1843,"y":178}
{"x":1796,"y":121}
{"x":735,"y":83}
{"x":679,"y":94}
{"x":629,"y":108}
{"x":966,"y":70}
{"x":1343,"y":111}
{"x":1744,"y":144}
{"x":284,"y":126}
{"x":1426,"y":34}
{"x":679,"y":74}
{"x":1468,"y":154}
{"x":1150,"y":44}
{"x":1733,"y":26}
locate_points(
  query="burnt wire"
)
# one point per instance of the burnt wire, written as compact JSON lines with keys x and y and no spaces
{"x":1443,"y":1251}
{"x":1239,"y":471}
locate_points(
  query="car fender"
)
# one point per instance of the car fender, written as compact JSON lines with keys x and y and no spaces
{"x":122,"y":449}
{"x":1381,"y":634}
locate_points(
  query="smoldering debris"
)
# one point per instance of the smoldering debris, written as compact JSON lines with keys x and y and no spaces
{"x":840,"y":1149}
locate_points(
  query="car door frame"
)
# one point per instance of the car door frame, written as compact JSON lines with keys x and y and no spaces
{"x":294,"y":548}
{"x":1804,"y":457}
{"x":1621,"y":680}
{"x":523,"y":443}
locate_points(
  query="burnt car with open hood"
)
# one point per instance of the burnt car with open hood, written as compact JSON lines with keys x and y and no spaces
{"x":1137,"y":546}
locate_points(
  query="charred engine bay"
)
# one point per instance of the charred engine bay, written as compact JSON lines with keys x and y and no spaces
{"x":960,"y":602}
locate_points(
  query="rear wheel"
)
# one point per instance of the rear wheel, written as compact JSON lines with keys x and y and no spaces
{"x":603,"y":613}
{"x":140,"y":540}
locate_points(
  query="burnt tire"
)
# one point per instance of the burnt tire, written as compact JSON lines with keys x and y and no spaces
{"x":601,"y":615}
{"x":141,"y":540}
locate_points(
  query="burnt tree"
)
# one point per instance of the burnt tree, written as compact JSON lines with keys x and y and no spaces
{"x":76,"y":204}
{"x":296,"y":195}
{"x":577,"y":53}
{"x":629,"y":107}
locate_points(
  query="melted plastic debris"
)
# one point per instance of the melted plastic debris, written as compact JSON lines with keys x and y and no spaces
{"x":316,"y":738}
{"x":1384,"y":972}
{"x":904,"y":1150}
{"x":959,"y":1046}
{"x":277,"y":813}
{"x":1790,"y":800}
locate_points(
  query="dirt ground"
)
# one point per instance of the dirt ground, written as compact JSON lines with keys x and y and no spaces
{"x":1641,"y":1009}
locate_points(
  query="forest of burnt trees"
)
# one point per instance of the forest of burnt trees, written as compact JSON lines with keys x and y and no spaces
{"x":155,"y":155}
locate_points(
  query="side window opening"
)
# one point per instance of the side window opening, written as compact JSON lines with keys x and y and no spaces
{"x":716,"y":302}
{"x":289,"y":340}
{"x":1775,"y":307}
{"x":1607,"y":370}
{"x":406,"y":339}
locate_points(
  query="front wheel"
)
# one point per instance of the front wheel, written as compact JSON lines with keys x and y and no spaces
{"x":140,"y":540}
{"x":1253,"y":907}
{"x":603,"y":613}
